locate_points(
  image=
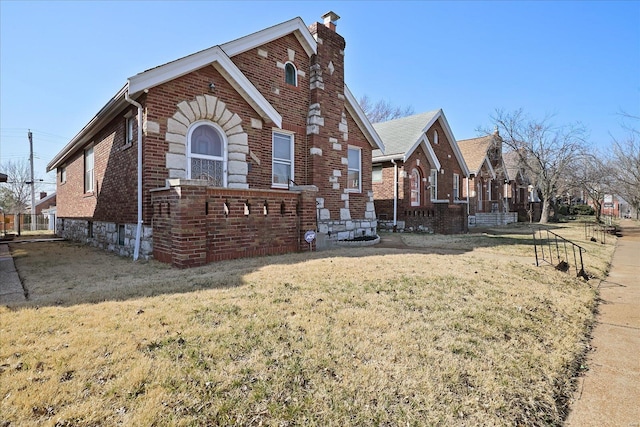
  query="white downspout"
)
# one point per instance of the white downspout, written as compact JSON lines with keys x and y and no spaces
{"x":468,"y":209}
{"x":395,"y":194}
{"x":136,"y":250}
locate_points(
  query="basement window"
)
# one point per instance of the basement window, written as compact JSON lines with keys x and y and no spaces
{"x":121,"y":234}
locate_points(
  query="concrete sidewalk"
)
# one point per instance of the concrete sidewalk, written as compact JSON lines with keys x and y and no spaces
{"x":11,"y":290}
{"x":609,"y":393}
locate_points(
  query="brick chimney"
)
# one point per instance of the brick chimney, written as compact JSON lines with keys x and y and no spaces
{"x":330,"y":19}
{"x":326,"y":120}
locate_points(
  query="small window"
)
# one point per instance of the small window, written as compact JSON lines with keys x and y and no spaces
{"x":129,"y":134}
{"x":435,"y":136}
{"x":290,"y":74}
{"x":207,"y":151}
{"x":433,"y":184}
{"x":282,"y":161}
{"x":376,"y":174}
{"x":63,"y":174}
{"x":121,"y":234}
{"x":88,"y":170}
{"x":354,"y":174}
{"x":456,"y":186}
{"x":415,"y":187}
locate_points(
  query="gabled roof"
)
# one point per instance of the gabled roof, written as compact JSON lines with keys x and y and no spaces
{"x":474,"y":151}
{"x":512,"y":165}
{"x":219,"y":57}
{"x":403,"y":136}
{"x":46,"y":199}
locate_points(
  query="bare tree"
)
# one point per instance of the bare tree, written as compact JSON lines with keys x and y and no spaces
{"x":547,"y":153}
{"x":15,"y":194}
{"x":626,"y":166}
{"x":593,"y":175}
{"x":382,"y":110}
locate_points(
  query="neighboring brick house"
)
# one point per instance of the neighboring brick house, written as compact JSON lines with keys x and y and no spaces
{"x":519,"y":196}
{"x":244,"y":146}
{"x":46,"y":202}
{"x":488,"y":184}
{"x":417,"y":181}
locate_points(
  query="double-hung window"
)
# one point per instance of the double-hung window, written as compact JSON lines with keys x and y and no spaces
{"x":207,"y":154}
{"x":129,"y":131}
{"x":354,"y":174}
{"x":88,"y":170}
{"x":456,"y":186}
{"x":282,"y":162}
{"x":433,"y":187}
{"x":415,"y":187}
{"x":376,"y":173}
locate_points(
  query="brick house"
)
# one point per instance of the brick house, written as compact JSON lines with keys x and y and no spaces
{"x":488,"y":184}
{"x":519,"y":196}
{"x":242,"y":148}
{"x":417,"y":180}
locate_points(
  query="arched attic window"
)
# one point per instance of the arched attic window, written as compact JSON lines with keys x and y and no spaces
{"x":207,"y":154}
{"x":435,"y":136}
{"x":290,"y":74}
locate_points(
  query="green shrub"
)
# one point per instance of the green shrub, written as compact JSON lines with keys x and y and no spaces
{"x":581,"y":210}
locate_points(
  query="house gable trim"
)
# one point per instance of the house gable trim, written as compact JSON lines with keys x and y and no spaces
{"x":426,"y":146}
{"x":295,"y":26}
{"x":221,"y":62}
{"x":362,"y":121}
{"x":452,"y":141}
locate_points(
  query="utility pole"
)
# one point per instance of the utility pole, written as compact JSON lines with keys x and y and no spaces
{"x":33,"y":188}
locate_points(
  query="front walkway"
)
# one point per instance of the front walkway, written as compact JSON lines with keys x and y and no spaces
{"x":609,"y":393}
{"x":11,"y":290}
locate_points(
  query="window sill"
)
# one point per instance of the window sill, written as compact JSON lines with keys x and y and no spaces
{"x":353,"y":191}
{"x":127,"y":146}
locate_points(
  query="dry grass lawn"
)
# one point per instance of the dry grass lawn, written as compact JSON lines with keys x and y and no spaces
{"x":366,"y":336}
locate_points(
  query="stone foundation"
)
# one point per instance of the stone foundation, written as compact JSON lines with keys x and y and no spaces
{"x":104,"y":235}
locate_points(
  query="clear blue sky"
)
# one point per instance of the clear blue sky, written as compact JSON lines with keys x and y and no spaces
{"x":62,"y":61}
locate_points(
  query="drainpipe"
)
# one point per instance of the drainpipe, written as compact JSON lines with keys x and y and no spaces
{"x":395,"y":194}
{"x":468,"y":209}
{"x":136,"y":250}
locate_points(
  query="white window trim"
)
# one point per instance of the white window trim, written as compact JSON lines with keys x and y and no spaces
{"x":91,"y":181}
{"x":295,"y":73}
{"x":433,"y":186}
{"x":373,"y":168}
{"x":224,"y":157}
{"x":417,"y":190}
{"x":456,"y":186}
{"x":128,"y":131}
{"x":359,"y":189}
{"x":292,"y":140}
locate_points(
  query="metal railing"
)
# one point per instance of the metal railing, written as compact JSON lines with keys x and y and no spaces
{"x":597,"y":232}
{"x":553,"y":244}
